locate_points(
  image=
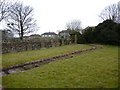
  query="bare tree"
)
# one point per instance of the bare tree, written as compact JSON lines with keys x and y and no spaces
{"x":74,"y":28}
{"x":21,"y":19}
{"x":4,"y":8}
{"x":73,"y":25}
{"x":110,"y":12}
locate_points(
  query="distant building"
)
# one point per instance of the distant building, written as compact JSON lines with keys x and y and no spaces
{"x":84,"y":30}
{"x":26,"y":37}
{"x":34,"y":36}
{"x":49,"y":34}
{"x":6,"y":34}
{"x":64,"y":33}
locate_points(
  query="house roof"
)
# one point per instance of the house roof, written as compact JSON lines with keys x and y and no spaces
{"x":35,"y":35}
{"x":64,"y":31}
{"x":49,"y":33}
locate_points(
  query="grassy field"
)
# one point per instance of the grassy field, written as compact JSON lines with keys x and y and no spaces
{"x":97,"y":69}
{"x":23,"y":57}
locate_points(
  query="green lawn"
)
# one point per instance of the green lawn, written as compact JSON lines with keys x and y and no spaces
{"x":23,"y":57}
{"x":97,"y":69}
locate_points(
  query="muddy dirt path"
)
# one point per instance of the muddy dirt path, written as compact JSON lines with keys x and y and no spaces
{"x":27,"y":66}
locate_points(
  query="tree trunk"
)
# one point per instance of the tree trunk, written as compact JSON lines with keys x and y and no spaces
{"x":75,"y":39}
{"x":21,"y":25}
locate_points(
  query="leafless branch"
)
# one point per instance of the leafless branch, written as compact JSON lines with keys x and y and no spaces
{"x":110,"y":12}
{"x":4,"y":9}
{"x":21,"y":19}
{"x":74,"y":25}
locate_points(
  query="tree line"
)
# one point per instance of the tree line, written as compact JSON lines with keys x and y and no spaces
{"x":106,"y":32}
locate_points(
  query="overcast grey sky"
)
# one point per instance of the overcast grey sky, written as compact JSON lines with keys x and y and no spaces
{"x":52,"y":15}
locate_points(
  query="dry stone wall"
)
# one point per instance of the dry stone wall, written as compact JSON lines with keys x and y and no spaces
{"x":9,"y":46}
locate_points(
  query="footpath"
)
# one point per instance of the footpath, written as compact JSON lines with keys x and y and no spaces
{"x":30,"y":65}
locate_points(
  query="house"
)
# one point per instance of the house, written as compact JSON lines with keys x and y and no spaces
{"x":6,"y":34}
{"x":64,"y":33}
{"x":34,"y":36}
{"x":49,"y":34}
{"x":84,"y":30}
